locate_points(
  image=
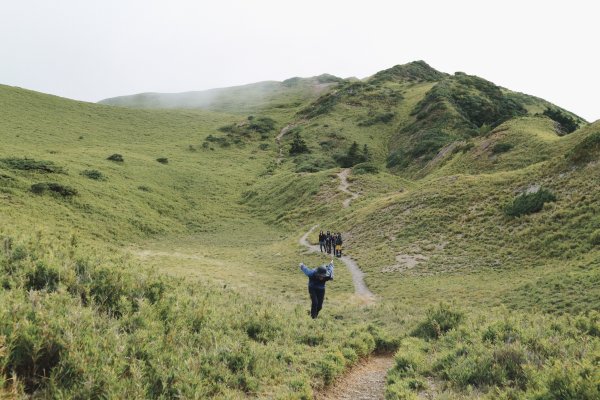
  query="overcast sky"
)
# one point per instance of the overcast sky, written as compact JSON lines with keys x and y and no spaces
{"x":90,"y":50}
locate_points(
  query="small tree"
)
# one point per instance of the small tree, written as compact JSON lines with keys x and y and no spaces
{"x":298,"y":145}
{"x":366,"y":156}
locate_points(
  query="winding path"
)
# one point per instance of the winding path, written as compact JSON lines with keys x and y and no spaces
{"x":278,"y":138}
{"x":343,"y":175}
{"x":360,"y":289}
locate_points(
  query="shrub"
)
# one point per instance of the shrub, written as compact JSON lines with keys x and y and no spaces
{"x":263,"y":146}
{"x":501,"y":148}
{"x":63,"y":190}
{"x":27,"y":164}
{"x":163,"y":160}
{"x":566,"y":122}
{"x":298,"y":145}
{"x":365,"y":168}
{"x":93,"y":174}
{"x":353,"y":156}
{"x":529,"y":203}
{"x":438,"y":321}
{"x":144,"y":188}
{"x":42,"y":277}
{"x":115,"y":157}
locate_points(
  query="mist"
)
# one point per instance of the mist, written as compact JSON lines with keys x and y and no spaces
{"x":95,"y":50}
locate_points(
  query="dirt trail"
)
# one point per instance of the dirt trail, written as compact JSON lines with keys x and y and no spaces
{"x":360,"y":289}
{"x":366,"y":381}
{"x":343,"y":175}
{"x":278,"y":138}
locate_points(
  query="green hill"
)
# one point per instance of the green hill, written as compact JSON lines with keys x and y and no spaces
{"x":153,"y":253}
{"x":238,"y":99}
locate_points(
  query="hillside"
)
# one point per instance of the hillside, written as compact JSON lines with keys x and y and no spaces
{"x":172,"y":270}
{"x":238,"y":99}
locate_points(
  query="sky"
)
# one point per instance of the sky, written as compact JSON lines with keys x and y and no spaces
{"x":90,"y":50}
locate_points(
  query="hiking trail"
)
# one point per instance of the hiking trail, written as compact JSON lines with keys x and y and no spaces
{"x":365,"y":381}
{"x":278,"y":138}
{"x":343,"y":175}
{"x":360,"y":288}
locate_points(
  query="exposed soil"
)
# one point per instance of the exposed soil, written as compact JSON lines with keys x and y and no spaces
{"x":366,"y":381}
{"x":344,"y":187}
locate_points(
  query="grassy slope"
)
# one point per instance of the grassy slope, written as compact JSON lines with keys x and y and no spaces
{"x":450,"y":222}
{"x":238,"y":99}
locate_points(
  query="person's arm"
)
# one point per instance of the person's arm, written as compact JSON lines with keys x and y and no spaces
{"x":307,"y":271}
{"x":330,"y":269}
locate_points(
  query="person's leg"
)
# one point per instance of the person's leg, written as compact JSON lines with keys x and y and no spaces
{"x":314,"y":302}
{"x":320,"y":294}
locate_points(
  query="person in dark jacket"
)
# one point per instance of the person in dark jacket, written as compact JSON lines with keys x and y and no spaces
{"x":316,"y":285}
{"x":322,"y":241}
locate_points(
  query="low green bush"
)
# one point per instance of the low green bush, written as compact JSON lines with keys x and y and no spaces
{"x":529,"y":203}
{"x":93,"y":174}
{"x":115,"y":157}
{"x":62,"y":190}
{"x":365,"y":168}
{"x":438,"y":321}
{"x":163,"y":160}
{"x":501,"y":148}
{"x":28,"y":164}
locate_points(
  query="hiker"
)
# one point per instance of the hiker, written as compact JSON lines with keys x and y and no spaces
{"x":328,"y":242}
{"x":322,"y":241}
{"x":338,"y":245}
{"x":316,"y":285}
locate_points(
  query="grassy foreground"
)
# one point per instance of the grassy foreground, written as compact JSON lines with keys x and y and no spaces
{"x":153,"y":254}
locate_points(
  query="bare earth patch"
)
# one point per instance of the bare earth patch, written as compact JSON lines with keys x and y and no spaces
{"x":405,"y":262}
{"x":366,"y":381}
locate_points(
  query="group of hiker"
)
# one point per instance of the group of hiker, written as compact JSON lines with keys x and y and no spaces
{"x":317,"y":277}
{"x":331,"y":243}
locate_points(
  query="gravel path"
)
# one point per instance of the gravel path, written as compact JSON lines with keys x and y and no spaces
{"x":366,"y":381}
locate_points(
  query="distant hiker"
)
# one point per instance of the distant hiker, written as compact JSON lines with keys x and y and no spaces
{"x":322,"y":241}
{"x":328,"y":238}
{"x":316,"y":285}
{"x":338,"y":245}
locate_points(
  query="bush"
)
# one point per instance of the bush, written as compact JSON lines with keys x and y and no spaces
{"x":93,"y":174}
{"x":63,"y":190}
{"x":501,"y":148}
{"x":115,"y":157}
{"x":42,"y":277}
{"x":529,"y":203}
{"x":27,"y":164}
{"x":298,"y":145}
{"x":365,"y":168}
{"x":566,"y":122}
{"x":163,"y":160}
{"x":438,"y":321}
{"x":353,"y":156}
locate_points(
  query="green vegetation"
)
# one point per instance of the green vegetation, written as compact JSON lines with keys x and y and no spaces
{"x":116,"y":157}
{"x":181,"y":280}
{"x":567,"y":123}
{"x":509,"y":357}
{"x":25,"y":164}
{"x":528,"y":203}
{"x":93,"y":174}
